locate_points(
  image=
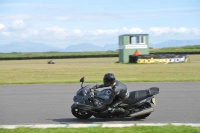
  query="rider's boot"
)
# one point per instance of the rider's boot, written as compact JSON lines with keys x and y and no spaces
{"x":123,"y":112}
{"x":126,"y":113}
{"x":109,"y":111}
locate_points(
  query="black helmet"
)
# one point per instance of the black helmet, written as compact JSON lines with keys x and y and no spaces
{"x":109,"y":79}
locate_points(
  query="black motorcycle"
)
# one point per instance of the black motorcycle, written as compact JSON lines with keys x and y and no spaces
{"x":139,"y":103}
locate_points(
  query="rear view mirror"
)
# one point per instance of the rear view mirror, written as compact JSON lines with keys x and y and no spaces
{"x":82,"y":79}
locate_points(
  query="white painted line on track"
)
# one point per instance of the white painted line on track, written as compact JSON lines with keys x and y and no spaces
{"x":187,"y":124}
{"x":117,"y":125}
{"x":96,"y":125}
{"x":83,"y":125}
{"x":152,"y":124}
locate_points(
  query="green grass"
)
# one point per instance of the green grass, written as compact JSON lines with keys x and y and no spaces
{"x":195,"y":48}
{"x":51,"y":54}
{"x":71,"y":70}
{"x":16,"y":55}
{"x":135,"y":129}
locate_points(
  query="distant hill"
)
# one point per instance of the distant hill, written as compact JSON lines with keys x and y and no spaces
{"x":26,"y":47}
{"x":84,"y":47}
{"x":91,"y":47}
{"x":112,"y":47}
{"x":175,"y":43}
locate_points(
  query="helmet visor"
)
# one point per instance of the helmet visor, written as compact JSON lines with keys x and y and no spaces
{"x":108,"y":82}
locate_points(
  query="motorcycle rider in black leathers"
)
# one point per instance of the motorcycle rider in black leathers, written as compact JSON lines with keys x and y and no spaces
{"x":120,"y":91}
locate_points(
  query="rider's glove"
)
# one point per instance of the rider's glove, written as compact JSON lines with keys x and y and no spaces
{"x":97,"y":86}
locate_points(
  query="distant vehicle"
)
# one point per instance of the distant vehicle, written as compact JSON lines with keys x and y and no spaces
{"x":50,"y":62}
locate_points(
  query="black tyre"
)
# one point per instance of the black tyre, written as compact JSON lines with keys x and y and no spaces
{"x":146,"y":105}
{"x":96,"y":116}
{"x":80,"y":114}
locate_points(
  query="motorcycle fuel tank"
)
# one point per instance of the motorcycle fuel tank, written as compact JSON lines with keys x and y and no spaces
{"x":106,"y":95}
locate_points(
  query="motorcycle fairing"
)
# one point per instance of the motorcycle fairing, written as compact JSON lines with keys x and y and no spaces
{"x":83,"y":98}
{"x":82,"y":106}
{"x":106,"y":96}
{"x":82,"y":94}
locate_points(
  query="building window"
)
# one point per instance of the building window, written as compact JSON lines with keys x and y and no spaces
{"x":137,"y":39}
{"x":133,"y":40}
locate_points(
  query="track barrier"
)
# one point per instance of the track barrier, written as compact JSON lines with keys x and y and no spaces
{"x":158,"y":58}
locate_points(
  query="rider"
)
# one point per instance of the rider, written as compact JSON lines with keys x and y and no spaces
{"x":120,"y":90}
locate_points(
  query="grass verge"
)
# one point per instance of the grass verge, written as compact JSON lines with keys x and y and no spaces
{"x":135,"y":129}
{"x":71,"y":70}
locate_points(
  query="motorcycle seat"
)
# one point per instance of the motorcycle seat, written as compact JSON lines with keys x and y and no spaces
{"x":136,"y":96}
{"x":153,"y":91}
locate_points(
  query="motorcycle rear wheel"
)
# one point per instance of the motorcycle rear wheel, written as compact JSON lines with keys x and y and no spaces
{"x":80,"y":114}
{"x":146,"y":105}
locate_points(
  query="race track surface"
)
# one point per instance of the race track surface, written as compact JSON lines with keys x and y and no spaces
{"x":178,"y":102}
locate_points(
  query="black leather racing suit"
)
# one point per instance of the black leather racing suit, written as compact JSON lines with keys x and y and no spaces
{"x":120,"y":91}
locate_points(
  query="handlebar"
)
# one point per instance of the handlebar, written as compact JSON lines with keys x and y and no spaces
{"x":92,"y":91}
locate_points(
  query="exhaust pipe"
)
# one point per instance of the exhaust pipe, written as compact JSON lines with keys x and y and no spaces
{"x":143,"y":112}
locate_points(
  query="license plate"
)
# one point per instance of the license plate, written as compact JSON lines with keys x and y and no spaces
{"x":153,"y":100}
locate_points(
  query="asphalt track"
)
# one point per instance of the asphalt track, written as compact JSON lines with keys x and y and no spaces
{"x":178,"y":102}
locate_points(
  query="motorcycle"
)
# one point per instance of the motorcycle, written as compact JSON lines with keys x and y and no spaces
{"x":139,"y":103}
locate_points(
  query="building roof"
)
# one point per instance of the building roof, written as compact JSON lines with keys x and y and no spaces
{"x":134,"y":35}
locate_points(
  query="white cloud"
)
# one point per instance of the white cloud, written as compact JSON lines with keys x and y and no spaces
{"x":54,"y":34}
{"x":159,"y":30}
{"x":78,"y":32}
{"x":111,"y":32}
{"x":167,"y":30}
{"x":103,"y":32}
{"x":183,"y":30}
{"x":195,"y":31}
{"x":4,"y":33}
{"x":132,"y":30}
{"x":18,"y":24}
{"x":34,"y":32}
{"x":55,"y":29}
{"x":3,"y":30}
{"x":2,"y":26}
{"x":29,"y":34}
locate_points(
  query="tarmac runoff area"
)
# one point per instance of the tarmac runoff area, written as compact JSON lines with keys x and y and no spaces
{"x":96,"y":125}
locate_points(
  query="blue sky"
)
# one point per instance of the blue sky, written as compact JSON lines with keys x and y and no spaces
{"x":65,"y":22}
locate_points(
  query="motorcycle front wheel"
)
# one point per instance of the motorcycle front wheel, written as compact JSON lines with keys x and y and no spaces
{"x":80,"y":114}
